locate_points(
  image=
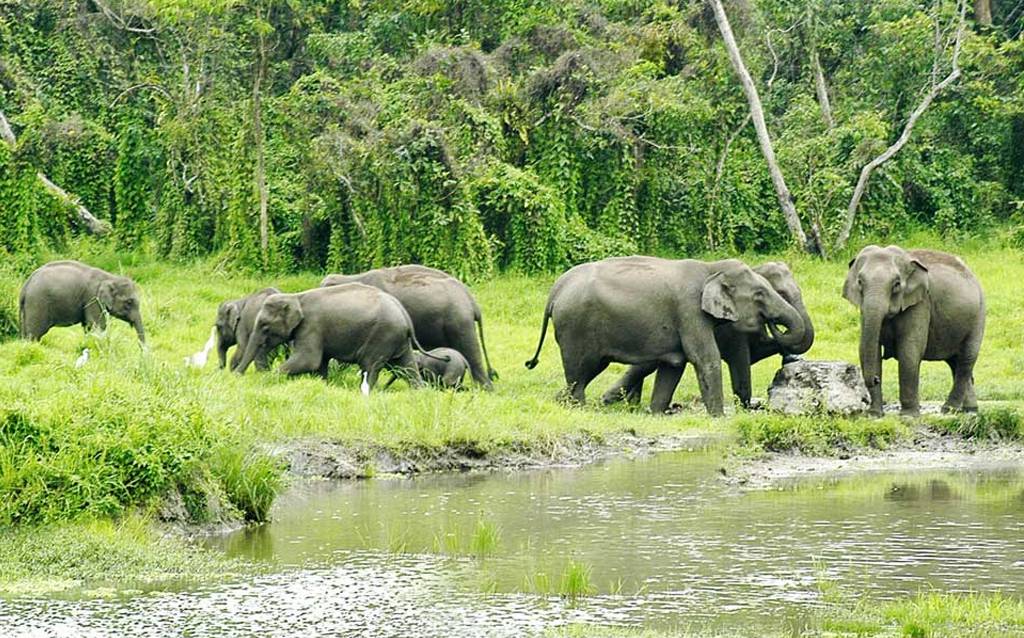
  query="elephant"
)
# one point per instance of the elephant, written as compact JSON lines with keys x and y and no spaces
{"x":443,"y":310}
{"x":63,"y":293}
{"x":738,"y":349}
{"x":661,"y":312}
{"x":234,"y":325}
{"x":916,"y":305}
{"x":441,"y":367}
{"x":350,"y":323}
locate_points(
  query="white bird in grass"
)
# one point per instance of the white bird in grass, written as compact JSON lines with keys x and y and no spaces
{"x":365,"y":385}
{"x":198,"y":360}
{"x":82,"y":358}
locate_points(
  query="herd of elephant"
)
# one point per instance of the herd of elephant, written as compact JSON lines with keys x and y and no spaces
{"x":657,"y":315}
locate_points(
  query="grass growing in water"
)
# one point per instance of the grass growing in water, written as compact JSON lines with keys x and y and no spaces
{"x":486,"y":536}
{"x":575,"y":582}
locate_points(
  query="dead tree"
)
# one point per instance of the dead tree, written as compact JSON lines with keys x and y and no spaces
{"x":89,"y":221}
{"x":935,"y":89}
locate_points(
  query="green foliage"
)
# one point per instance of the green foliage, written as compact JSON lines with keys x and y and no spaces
{"x":817,"y":435}
{"x":473,"y":135}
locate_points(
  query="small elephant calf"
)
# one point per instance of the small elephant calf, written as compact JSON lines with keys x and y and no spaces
{"x":441,"y":367}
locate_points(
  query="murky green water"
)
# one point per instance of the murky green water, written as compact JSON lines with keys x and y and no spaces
{"x":665,"y":541}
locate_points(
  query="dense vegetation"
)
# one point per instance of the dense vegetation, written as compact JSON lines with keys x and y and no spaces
{"x":475,"y":136}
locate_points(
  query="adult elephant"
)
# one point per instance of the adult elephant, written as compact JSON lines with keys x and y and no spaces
{"x":739,"y":350}
{"x":65,"y":293}
{"x":442,"y":309}
{"x":646,"y":310}
{"x":916,"y":305}
{"x":234,"y":324}
{"x":350,"y":323}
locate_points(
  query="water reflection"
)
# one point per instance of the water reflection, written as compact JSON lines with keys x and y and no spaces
{"x":667,"y":542}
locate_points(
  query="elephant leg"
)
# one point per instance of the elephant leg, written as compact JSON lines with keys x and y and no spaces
{"x":908,"y":356}
{"x":739,"y":374}
{"x":579,"y":372}
{"x":702,"y":351}
{"x":405,"y":367}
{"x":630,"y":385}
{"x":464,"y":340}
{"x":961,"y":396}
{"x":665,"y":383}
{"x":303,"y":360}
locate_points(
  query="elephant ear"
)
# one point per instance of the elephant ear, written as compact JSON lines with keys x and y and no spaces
{"x":232,"y":316}
{"x":105,"y":294}
{"x":716,"y":298}
{"x":851,"y":289}
{"x":917,"y":284}
{"x":292,"y":314}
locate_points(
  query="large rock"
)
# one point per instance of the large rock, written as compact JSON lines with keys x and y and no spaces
{"x":805,"y":387}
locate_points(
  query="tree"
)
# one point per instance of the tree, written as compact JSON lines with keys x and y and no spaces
{"x":810,"y":244}
{"x":934,"y":90}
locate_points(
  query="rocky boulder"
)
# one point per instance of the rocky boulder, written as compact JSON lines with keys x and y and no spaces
{"x":814,"y":387}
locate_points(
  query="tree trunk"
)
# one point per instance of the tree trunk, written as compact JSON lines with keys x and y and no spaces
{"x":983,"y":13}
{"x":757,"y":114}
{"x":822,"y":90}
{"x":89,"y":221}
{"x":908,"y":128}
{"x":261,"y":177}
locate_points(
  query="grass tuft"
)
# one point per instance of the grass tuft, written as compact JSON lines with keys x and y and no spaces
{"x":575,"y":582}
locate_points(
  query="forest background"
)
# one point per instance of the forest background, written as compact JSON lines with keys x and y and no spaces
{"x":485,"y":135}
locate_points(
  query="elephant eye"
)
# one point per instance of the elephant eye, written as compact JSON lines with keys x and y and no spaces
{"x":896,"y":285}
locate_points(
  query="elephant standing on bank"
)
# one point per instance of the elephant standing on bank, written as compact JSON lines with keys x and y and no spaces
{"x":65,"y":293}
{"x":651,"y":311}
{"x":350,"y":323}
{"x":234,"y":325}
{"x":916,"y":305}
{"x":442,"y":309}
{"x":740,"y":350}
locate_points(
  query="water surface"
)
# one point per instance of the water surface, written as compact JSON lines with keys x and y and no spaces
{"x":667,"y":543}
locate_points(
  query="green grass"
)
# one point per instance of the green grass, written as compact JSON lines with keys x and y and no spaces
{"x":133,"y":426}
{"x":89,"y":556}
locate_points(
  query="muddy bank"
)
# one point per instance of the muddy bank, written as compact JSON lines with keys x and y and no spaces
{"x":319,"y":458}
{"x":925,"y":450}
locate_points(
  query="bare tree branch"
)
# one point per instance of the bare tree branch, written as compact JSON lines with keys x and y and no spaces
{"x":120,"y":22}
{"x":757,"y":114}
{"x":822,"y":90}
{"x":908,"y":128}
{"x":91,"y":222}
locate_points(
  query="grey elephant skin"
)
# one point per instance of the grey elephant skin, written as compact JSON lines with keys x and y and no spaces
{"x":443,"y":368}
{"x":65,"y":293}
{"x":916,"y":305}
{"x":442,"y":309}
{"x":660,"y":312}
{"x":350,"y":323}
{"x":739,"y":350}
{"x":234,"y":325}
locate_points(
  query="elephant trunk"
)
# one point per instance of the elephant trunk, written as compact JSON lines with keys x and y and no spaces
{"x":135,"y":319}
{"x":223,"y":343}
{"x":805,"y":344}
{"x":872,"y":313}
{"x":251,"y":350}
{"x":786,"y":316}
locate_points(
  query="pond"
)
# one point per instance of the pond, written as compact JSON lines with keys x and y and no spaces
{"x":660,"y":541}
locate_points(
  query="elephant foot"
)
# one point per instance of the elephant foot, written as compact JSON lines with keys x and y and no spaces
{"x":910,"y":413}
{"x":675,"y":408}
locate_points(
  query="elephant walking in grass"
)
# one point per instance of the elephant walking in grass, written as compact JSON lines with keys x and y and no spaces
{"x":350,"y":323}
{"x":234,"y":325}
{"x":740,"y":350}
{"x":916,"y":305}
{"x":442,"y":309}
{"x":65,"y":293}
{"x":663,"y":313}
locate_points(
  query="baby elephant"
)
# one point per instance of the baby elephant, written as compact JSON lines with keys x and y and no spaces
{"x":65,"y":293}
{"x":441,"y":367}
{"x":235,"y":320}
{"x":350,"y":323}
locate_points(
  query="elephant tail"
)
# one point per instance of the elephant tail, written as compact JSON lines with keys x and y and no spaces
{"x":492,"y":374}
{"x":532,"y":363}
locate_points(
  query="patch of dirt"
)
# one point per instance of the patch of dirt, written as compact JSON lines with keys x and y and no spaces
{"x":927,"y":450}
{"x":321,"y":458}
